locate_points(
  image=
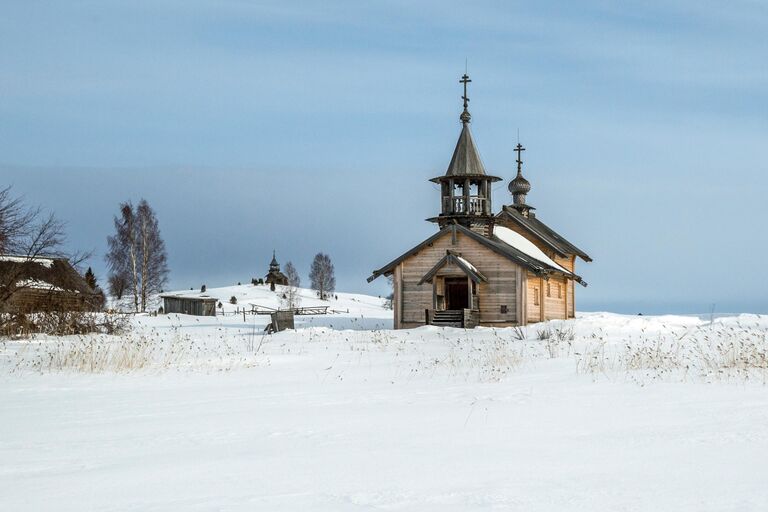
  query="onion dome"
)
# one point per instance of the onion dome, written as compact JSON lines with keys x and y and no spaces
{"x":519,"y":185}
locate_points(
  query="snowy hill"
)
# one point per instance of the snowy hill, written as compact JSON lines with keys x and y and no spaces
{"x":346,"y":310}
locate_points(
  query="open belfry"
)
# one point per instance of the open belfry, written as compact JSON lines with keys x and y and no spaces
{"x":483,"y":268}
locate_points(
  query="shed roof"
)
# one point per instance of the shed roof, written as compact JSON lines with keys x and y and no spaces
{"x":188,"y":296}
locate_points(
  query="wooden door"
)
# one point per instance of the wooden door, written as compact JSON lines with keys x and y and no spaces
{"x":456,"y":293}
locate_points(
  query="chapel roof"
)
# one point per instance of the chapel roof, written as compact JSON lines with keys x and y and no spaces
{"x":515,"y":254}
{"x":544,"y":233}
{"x":466,"y":159}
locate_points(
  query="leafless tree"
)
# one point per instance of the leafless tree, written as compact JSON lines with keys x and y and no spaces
{"x":389,"y":301}
{"x":292,"y":298}
{"x":154,"y":259}
{"x":116,"y":284}
{"x":26,"y":233}
{"x":137,"y":258}
{"x":123,"y":252}
{"x":322,"y":276}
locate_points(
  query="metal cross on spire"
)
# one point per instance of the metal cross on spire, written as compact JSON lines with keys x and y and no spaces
{"x":519,"y":148}
{"x":465,"y":116}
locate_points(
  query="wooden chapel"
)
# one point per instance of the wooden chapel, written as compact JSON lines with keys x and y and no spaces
{"x":483,"y":268}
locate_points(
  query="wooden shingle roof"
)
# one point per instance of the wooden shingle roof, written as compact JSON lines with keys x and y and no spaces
{"x":492,"y":243}
{"x":544,"y":233}
{"x":465,"y":162}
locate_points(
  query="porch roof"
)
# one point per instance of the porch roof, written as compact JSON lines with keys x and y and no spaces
{"x":453,"y":258}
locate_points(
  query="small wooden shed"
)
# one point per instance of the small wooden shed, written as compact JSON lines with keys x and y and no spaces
{"x":189,"y":304}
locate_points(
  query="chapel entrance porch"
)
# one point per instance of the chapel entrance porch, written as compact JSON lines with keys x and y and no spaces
{"x":454,"y":302}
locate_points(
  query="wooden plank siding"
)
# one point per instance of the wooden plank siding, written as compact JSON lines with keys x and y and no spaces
{"x":30,"y":300}
{"x":533,"y":309}
{"x":397,"y":302}
{"x":500,"y":290}
{"x":554,"y":305}
{"x":569,"y":263}
{"x":553,"y":308}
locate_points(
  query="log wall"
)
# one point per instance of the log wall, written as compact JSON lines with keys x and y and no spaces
{"x":30,"y":300}
{"x":500,"y":290}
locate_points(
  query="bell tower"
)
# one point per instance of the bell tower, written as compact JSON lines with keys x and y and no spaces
{"x":465,"y":188}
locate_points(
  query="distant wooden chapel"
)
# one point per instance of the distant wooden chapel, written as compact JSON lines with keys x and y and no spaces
{"x":275,"y":276}
{"x":483,"y":268}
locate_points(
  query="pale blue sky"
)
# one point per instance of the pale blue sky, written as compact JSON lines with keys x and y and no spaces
{"x":309,"y":126}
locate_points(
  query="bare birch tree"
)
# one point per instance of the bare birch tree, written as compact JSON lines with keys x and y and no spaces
{"x":322,"y":275}
{"x":154,"y":260}
{"x":122,"y":254}
{"x":292,"y":298}
{"x":137,"y":258}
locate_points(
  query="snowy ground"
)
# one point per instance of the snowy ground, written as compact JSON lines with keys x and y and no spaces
{"x":610,"y":412}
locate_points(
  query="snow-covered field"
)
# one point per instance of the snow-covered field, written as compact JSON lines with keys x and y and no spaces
{"x":607,"y":412}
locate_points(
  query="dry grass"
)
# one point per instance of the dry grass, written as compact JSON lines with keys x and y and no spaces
{"x":487,"y":360}
{"x":154,"y":349}
{"x":712,"y":352}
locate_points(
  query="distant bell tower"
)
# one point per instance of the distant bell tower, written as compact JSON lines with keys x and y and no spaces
{"x":274,"y":276}
{"x":274,"y":266}
{"x":519,"y":186}
{"x":465,"y":188}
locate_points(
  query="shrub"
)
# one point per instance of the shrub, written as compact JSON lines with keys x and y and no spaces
{"x":233,"y":300}
{"x":519,"y":333}
{"x":60,"y":323}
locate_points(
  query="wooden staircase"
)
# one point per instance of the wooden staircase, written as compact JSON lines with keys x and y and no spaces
{"x":448,"y":318}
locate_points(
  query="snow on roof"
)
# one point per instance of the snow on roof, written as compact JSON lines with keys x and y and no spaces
{"x":468,"y":264}
{"x":524,"y":245}
{"x":188,"y":295}
{"x":40,"y":285}
{"x":46,"y":262}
